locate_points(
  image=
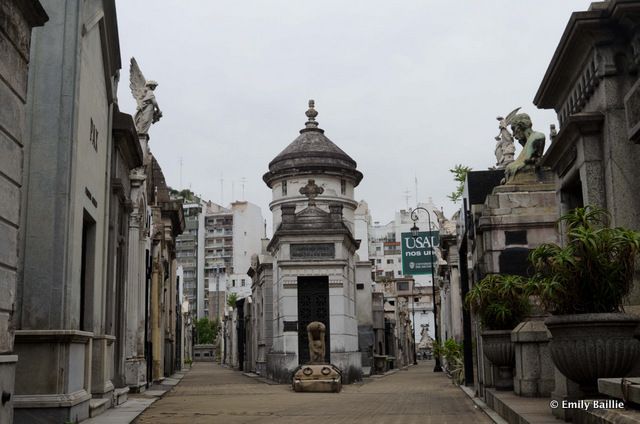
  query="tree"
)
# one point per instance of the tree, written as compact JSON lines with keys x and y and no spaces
{"x":232,"y":299}
{"x":459,"y":175}
{"x":206,"y":330}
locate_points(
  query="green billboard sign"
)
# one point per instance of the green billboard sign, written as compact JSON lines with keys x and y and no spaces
{"x":417,"y":253}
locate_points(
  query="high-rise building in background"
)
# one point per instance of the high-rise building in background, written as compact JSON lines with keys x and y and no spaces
{"x":187,"y":251}
{"x":215,"y":253}
{"x":232,"y":235}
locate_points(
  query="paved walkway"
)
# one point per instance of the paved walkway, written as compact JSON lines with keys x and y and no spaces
{"x":212,"y":394}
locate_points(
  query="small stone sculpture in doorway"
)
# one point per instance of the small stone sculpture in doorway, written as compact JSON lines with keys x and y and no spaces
{"x":316,"y":332}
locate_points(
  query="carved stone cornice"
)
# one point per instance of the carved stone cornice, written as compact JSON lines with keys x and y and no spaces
{"x":561,"y":154}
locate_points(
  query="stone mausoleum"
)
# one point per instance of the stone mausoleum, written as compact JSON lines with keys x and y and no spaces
{"x":313,"y":253}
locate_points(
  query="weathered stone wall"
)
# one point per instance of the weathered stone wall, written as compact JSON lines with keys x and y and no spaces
{"x":16,"y":20}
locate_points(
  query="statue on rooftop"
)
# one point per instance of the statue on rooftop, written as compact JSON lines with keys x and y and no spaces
{"x":505,"y":148}
{"x":532,"y":145}
{"x":147,"y":112}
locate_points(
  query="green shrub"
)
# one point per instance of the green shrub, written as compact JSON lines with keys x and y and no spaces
{"x":593,"y":273}
{"x":450,"y":352}
{"x":501,"y":301}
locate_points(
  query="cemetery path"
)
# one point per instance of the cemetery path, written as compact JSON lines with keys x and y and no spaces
{"x":213,"y":394}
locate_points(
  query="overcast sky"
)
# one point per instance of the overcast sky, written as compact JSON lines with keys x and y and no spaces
{"x":407,"y":88}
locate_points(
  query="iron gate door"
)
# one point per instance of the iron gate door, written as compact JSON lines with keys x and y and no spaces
{"x":313,"y":305}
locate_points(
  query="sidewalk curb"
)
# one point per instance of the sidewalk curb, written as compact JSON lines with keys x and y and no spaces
{"x":137,"y":403}
{"x":497,"y":419}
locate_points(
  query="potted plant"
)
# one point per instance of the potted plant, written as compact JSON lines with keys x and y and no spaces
{"x":583,"y":285}
{"x":501,"y":303}
{"x":450,"y":352}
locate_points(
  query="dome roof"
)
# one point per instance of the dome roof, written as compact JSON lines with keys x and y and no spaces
{"x":312,"y":152}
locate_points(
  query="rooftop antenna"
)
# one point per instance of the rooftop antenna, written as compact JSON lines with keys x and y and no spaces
{"x":233,"y":191}
{"x":416,"y":184}
{"x":181,"y":187}
{"x":242,"y":181}
{"x":221,"y":189}
{"x":406,"y":197}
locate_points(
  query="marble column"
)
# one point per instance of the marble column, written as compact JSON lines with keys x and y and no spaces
{"x":135,"y":363}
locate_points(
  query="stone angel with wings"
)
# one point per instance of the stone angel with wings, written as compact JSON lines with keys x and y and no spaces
{"x":148,"y":111}
{"x":505,"y":149}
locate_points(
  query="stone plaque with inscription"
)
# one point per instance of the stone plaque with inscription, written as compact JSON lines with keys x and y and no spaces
{"x":313,"y":251}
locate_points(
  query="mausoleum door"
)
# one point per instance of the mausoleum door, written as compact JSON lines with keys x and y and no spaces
{"x":313,"y":305}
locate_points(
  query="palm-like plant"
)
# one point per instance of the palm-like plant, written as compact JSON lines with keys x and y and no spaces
{"x":592,"y":273}
{"x":499,"y":300}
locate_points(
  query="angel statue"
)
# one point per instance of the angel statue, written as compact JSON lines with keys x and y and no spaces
{"x":148,"y":111}
{"x":505,"y":149}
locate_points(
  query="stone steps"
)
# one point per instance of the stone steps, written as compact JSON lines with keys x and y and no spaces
{"x":520,"y":410}
{"x":120,"y":395}
{"x":97,"y":406}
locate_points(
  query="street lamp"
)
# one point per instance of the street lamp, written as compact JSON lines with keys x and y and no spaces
{"x":414,"y":234}
{"x":413,"y":323}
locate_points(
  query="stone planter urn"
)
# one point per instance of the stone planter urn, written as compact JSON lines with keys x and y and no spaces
{"x":499,"y":349}
{"x":586,"y":347}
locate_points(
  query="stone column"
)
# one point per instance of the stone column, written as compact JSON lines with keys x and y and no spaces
{"x":534,"y":376}
{"x":133,"y":286}
{"x":154,"y":310}
{"x":135,"y":366}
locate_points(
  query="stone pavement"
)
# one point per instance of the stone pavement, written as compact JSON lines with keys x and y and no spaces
{"x":212,"y":394}
{"x":138,"y":402}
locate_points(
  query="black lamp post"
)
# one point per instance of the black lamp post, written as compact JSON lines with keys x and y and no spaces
{"x":413,"y":323}
{"x":414,"y":234}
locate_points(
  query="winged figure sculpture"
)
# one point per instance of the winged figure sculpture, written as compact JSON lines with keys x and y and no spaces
{"x":147,"y":112}
{"x":505,"y":149}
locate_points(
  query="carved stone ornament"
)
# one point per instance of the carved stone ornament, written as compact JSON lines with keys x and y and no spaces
{"x":311,"y":190}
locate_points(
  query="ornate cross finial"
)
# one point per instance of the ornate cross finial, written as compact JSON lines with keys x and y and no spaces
{"x":311,"y":114}
{"x":311,"y":190}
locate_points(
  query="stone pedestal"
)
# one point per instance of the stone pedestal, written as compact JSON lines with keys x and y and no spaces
{"x":55,"y":370}
{"x":317,"y":378}
{"x":7,"y":378}
{"x":564,"y":389}
{"x":136,"y":373}
{"x":516,"y":218}
{"x":534,"y":368}
{"x":102,"y":368}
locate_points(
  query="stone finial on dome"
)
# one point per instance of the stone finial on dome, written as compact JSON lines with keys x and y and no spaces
{"x":311,"y":114}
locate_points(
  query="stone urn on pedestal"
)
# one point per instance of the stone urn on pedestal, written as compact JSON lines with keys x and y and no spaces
{"x":501,"y":303}
{"x":498,"y":348}
{"x":583,"y":285}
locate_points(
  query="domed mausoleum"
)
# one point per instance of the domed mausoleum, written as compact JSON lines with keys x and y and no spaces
{"x":313,"y":155}
{"x":313,"y":253}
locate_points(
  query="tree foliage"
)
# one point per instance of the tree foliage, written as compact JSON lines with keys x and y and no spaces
{"x":232,"y":299}
{"x":459,"y":175}
{"x":206,"y":330}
